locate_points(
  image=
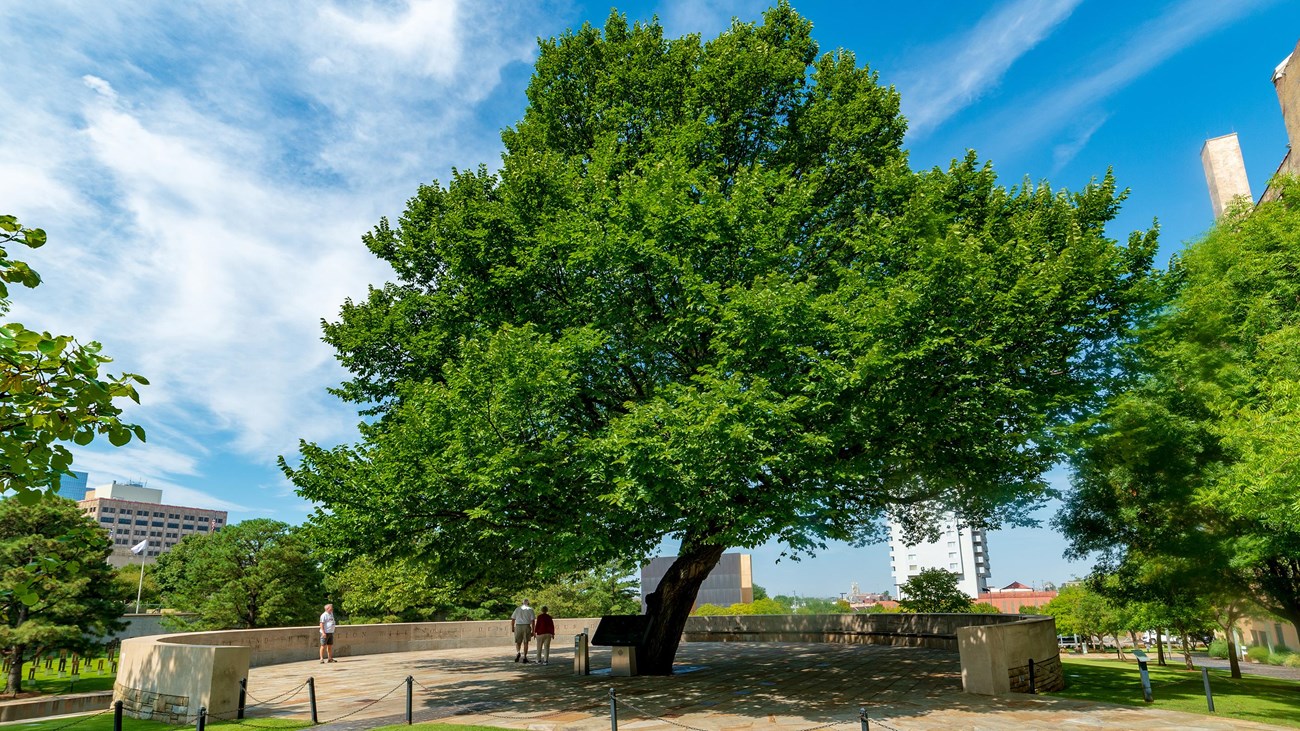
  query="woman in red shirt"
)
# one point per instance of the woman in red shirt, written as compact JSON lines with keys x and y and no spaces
{"x":544,"y":630}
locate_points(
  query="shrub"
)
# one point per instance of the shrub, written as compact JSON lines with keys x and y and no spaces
{"x":1279,"y":658}
{"x":1219,"y":649}
{"x":1293,"y":660}
{"x":1258,"y":653}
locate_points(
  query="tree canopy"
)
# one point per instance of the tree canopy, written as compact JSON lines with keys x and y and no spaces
{"x":934,"y":590}
{"x":255,"y":573}
{"x":51,"y":389}
{"x":705,"y":297}
{"x":1183,"y":482}
{"x":56,"y":589}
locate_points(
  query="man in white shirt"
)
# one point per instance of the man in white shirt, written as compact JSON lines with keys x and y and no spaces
{"x":327,"y":633}
{"x":522,"y":624}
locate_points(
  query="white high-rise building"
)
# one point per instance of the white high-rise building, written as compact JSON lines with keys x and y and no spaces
{"x":959,"y":549}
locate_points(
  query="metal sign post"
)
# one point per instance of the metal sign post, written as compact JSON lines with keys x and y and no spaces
{"x":1146,"y":677}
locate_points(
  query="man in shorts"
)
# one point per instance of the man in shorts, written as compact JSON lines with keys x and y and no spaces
{"x":522,"y":624}
{"x":327,"y":625}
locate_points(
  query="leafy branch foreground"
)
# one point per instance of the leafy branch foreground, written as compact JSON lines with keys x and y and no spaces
{"x":1251,"y":697}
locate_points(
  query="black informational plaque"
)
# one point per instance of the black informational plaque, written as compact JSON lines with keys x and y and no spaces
{"x":620,"y":631}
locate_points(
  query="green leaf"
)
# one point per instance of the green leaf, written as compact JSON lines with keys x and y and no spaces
{"x":118,"y":435}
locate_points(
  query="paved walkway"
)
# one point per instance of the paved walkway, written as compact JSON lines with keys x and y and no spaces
{"x":725,"y":687}
{"x":1247,"y":668}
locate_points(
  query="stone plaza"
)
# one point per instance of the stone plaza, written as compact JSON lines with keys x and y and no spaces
{"x":718,"y":687}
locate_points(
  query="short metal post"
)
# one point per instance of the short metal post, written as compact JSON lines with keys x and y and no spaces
{"x":1031,"y":676}
{"x":613,"y":710}
{"x":117,"y":715}
{"x":862,"y":717}
{"x":243,"y":695}
{"x":1146,"y":681}
{"x":311,"y":698}
{"x":410,"y":692}
{"x":1209,"y":696}
{"x":202,"y":720}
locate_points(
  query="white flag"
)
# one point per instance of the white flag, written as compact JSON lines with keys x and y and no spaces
{"x":138,"y":548}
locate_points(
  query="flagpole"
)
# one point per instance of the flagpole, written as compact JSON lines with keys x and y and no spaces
{"x":140,"y":589}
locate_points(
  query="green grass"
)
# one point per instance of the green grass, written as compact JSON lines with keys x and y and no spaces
{"x":1252,"y":698}
{"x":438,"y":727}
{"x":48,"y":681}
{"x":104,"y":722}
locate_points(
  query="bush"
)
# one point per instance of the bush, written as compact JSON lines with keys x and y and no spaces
{"x":1219,"y":649}
{"x":1293,"y":661}
{"x":1258,"y":653}
{"x":1279,"y":658}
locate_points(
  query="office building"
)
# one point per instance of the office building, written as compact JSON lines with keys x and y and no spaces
{"x":73,"y":486}
{"x":730,"y":582}
{"x":132,"y":513}
{"x":959,"y":549}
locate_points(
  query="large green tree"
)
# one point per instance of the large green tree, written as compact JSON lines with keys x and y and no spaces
{"x":256,"y":573}
{"x":705,"y":297}
{"x":56,"y":590}
{"x":51,"y":388}
{"x":934,"y":590}
{"x":1183,"y":471}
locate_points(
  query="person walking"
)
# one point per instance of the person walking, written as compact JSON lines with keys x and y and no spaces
{"x":544,"y":630}
{"x":522,"y":624}
{"x":327,"y":625}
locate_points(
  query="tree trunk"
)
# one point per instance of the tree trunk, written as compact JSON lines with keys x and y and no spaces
{"x":668,"y":607}
{"x":1160,"y":646}
{"x":1227,"y":618}
{"x":1187,"y":650}
{"x":1233,"y":661}
{"x":14,"y":681}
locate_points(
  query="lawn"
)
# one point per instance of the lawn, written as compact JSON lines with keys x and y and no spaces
{"x":91,"y":678}
{"x":1252,"y":698}
{"x":104,"y":722}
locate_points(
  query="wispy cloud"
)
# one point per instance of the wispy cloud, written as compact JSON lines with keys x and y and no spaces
{"x":1063,"y":153}
{"x":706,"y":17}
{"x":957,"y":72}
{"x":1143,"y":49}
{"x":205,"y":172}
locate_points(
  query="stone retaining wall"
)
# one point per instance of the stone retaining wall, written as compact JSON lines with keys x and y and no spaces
{"x":936,"y":631}
{"x":168,"y":677}
{"x":995,"y":657}
{"x":59,"y":705}
{"x":1048,"y":676}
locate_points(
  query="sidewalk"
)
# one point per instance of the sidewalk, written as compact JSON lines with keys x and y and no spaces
{"x":724,"y":687}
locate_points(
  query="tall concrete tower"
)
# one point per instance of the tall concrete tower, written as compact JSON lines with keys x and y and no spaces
{"x":1225,"y":172}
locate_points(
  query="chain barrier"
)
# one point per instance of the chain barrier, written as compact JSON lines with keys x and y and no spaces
{"x":371,"y":703}
{"x":272,"y":700}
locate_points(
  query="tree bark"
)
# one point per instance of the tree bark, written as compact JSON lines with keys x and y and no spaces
{"x":14,"y":681}
{"x":1187,"y":651}
{"x":668,"y":607}
{"x":1160,"y":646}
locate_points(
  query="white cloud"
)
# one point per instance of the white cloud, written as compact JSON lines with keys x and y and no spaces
{"x":956,"y":73}
{"x":706,"y":17}
{"x":1063,"y":153}
{"x":423,"y":35}
{"x":1143,"y":49}
{"x":205,"y":175}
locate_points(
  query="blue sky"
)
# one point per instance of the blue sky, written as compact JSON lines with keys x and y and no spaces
{"x":205,"y":171}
